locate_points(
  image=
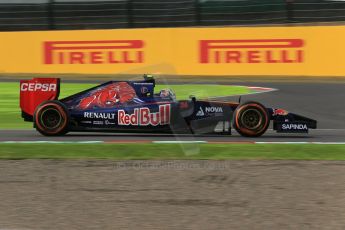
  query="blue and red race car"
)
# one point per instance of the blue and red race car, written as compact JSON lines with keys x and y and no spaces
{"x":133,"y":106}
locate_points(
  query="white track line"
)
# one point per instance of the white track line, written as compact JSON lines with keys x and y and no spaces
{"x":51,"y":142}
{"x":179,"y":142}
{"x":291,"y":142}
{"x":173,"y":142}
{"x":329,"y":143}
{"x":282,"y":142}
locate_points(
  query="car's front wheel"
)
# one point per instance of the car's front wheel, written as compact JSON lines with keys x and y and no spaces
{"x":51,"y":118}
{"x":251,"y":119}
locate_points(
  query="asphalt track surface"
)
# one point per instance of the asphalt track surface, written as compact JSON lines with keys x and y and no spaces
{"x":323,"y":101}
{"x":324,"y":136}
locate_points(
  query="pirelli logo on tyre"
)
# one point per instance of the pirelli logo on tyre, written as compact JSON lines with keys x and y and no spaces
{"x":252,"y":51}
{"x":93,"y":52}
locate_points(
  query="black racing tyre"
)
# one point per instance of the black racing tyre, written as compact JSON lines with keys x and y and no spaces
{"x":51,"y":118}
{"x":251,"y":119}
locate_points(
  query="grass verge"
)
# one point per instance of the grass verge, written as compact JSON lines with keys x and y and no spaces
{"x":10,"y":117}
{"x":173,"y":151}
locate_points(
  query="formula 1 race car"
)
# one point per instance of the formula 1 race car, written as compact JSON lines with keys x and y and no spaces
{"x":133,"y":106}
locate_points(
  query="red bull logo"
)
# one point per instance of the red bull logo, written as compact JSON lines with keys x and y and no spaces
{"x":251,"y":51}
{"x":93,"y":52}
{"x":144,"y":117}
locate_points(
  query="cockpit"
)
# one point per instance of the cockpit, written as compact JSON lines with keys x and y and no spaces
{"x":166,"y":94}
{"x":147,"y":90}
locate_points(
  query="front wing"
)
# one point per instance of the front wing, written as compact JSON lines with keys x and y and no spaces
{"x":293,"y":123}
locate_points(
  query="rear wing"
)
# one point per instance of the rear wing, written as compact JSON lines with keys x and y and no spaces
{"x":35,"y":91}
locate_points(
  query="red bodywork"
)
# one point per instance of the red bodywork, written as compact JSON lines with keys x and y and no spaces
{"x":34,"y":92}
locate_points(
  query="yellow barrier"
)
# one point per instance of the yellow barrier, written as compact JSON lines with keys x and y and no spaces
{"x":309,"y":51}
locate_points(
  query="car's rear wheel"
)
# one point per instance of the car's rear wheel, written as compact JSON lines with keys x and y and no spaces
{"x":51,"y":118}
{"x":251,"y":119}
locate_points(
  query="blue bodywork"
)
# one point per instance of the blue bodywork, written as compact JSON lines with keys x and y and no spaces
{"x":146,"y":109}
{"x":134,"y":106}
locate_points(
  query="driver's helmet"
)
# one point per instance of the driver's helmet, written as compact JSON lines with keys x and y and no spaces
{"x":164,"y":93}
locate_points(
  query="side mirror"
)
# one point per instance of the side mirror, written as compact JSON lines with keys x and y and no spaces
{"x":192,"y":97}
